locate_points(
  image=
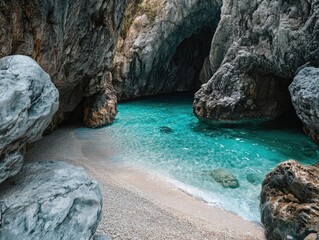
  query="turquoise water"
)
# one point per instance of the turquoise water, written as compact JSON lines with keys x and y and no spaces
{"x":187,"y":153}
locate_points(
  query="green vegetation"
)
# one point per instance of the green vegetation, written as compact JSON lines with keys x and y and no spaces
{"x":149,"y":10}
{"x":138,"y":8}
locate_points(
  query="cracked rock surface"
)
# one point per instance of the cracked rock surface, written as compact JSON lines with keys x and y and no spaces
{"x":28,"y":100}
{"x":49,"y":200}
{"x":73,"y":41}
{"x":289,"y":201}
{"x":304,"y":92}
{"x":256,"y":50}
{"x":163,"y":45}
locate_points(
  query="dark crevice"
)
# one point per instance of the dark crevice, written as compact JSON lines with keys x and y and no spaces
{"x":189,"y":58}
{"x":76,"y":115}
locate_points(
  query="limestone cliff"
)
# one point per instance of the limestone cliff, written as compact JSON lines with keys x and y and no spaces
{"x":163,"y":45}
{"x":256,"y":50}
{"x":74,"y":41}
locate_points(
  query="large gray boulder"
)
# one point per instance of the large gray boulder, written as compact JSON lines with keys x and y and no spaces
{"x":289,"y":201}
{"x":74,"y":42}
{"x":304,"y":91}
{"x":163,"y":46}
{"x":49,"y":200}
{"x":28,"y":100}
{"x":256,"y":50}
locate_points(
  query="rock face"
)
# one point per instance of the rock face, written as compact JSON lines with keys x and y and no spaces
{"x":28,"y":100}
{"x":304,"y":91}
{"x":255,"y":52}
{"x":163,"y":46}
{"x":49,"y":200}
{"x":74,"y":41}
{"x":100,"y":109}
{"x":227,"y":179}
{"x":289,"y":201}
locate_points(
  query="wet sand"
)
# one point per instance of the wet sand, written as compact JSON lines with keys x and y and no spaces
{"x":140,"y":205}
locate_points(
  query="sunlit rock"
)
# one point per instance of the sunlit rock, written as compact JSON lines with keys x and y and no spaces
{"x":289,"y":201}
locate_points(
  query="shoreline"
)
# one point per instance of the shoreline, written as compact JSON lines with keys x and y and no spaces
{"x":169,"y":197}
{"x":140,"y":205}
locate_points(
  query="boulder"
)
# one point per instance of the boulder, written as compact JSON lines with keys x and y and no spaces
{"x":49,"y":200}
{"x":256,"y":50}
{"x":289,"y":201}
{"x":226,"y":178}
{"x":28,"y":100}
{"x":304,"y":91}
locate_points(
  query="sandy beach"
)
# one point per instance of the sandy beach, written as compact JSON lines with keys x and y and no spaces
{"x":140,"y":205}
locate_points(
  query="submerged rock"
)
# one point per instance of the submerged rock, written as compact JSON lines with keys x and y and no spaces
{"x":254,"y":178}
{"x":227,"y":179}
{"x":49,"y":200}
{"x":289,"y":201}
{"x":166,"y":130}
{"x":304,"y":91}
{"x":28,"y":100}
{"x":256,"y":50}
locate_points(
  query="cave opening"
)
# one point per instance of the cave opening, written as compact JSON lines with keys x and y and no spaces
{"x":188,"y":60}
{"x":274,"y":101}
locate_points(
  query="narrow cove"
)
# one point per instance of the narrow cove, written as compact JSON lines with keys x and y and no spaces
{"x":161,"y":135}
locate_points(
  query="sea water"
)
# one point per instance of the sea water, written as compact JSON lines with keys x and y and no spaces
{"x":163,"y":136}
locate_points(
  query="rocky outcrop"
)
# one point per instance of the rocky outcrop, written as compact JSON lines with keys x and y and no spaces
{"x":304,"y":91}
{"x":163,"y":46}
{"x":74,"y":41}
{"x":224,"y":177}
{"x":49,"y":200}
{"x":289,"y":201}
{"x":100,"y":109}
{"x":28,"y":100}
{"x":255,"y":52}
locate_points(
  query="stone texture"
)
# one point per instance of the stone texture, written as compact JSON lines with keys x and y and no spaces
{"x":304,"y":91}
{"x":28,"y":100}
{"x":256,"y":50}
{"x":49,"y":200}
{"x":163,"y":45}
{"x":224,"y":177}
{"x":289,"y":201}
{"x":100,"y":109}
{"x":74,"y":41}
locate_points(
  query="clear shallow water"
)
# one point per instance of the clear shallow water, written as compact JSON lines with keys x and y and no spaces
{"x":192,"y":149}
